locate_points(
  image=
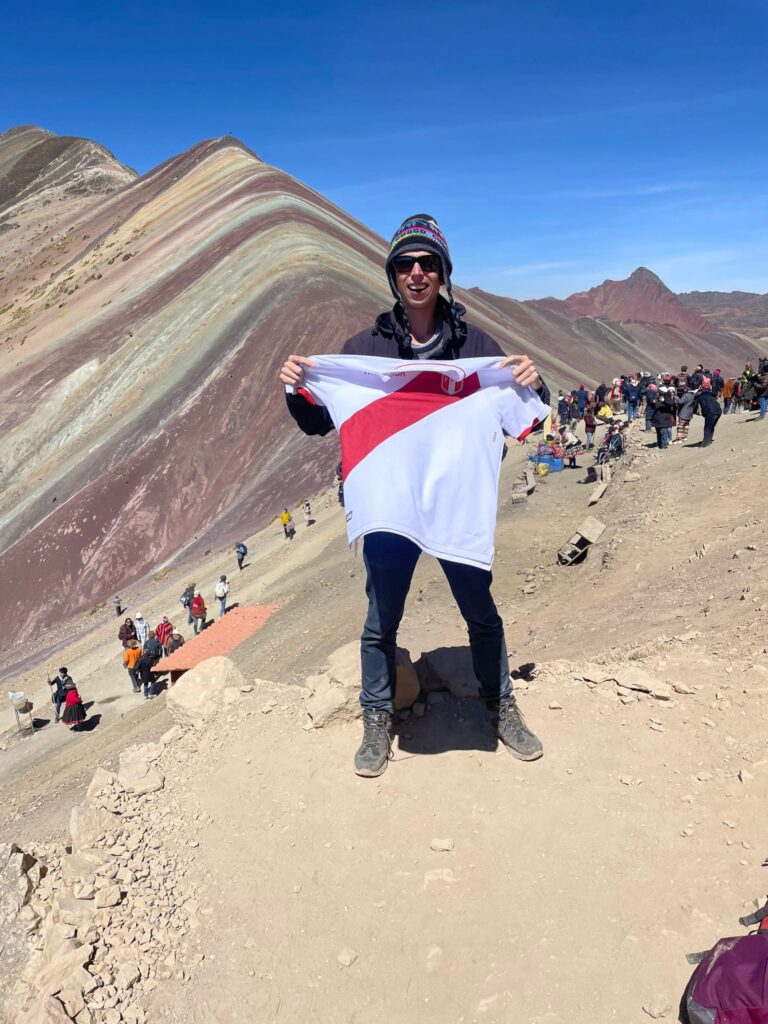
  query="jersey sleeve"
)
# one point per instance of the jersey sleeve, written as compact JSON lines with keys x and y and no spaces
{"x":521,"y":411}
{"x":310,"y":417}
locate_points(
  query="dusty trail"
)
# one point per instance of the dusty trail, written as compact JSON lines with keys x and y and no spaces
{"x":574,"y":886}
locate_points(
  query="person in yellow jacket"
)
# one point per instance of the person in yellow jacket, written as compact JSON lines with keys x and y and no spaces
{"x":605,"y":413}
{"x":131,"y":655}
{"x":288,"y":525}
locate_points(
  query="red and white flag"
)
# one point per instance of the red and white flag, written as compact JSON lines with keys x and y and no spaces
{"x":421,"y":446}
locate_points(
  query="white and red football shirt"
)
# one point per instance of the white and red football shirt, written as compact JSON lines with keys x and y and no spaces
{"x":421,"y":446}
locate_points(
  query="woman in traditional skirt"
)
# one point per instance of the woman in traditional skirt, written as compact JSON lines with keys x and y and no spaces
{"x":74,"y":712}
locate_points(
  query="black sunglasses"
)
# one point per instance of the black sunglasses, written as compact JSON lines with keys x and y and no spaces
{"x":429,"y":264}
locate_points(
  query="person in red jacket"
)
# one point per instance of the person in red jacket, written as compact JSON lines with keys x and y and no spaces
{"x":164,"y":631}
{"x":199,"y":612}
{"x":74,"y":712}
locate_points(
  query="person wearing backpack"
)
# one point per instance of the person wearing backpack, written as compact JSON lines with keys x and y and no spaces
{"x":240,"y":552}
{"x":199,"y":612}
{"x":630,"y":390}
{"x":221,"y":590}
{"x":186,"y":600}
{"x":153,"y":648}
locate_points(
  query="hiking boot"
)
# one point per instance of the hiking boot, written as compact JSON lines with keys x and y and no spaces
{"x":508,"y":721}
{"x":375,"y":750}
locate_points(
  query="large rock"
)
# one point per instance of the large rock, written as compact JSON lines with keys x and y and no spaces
{"x":449,"y":668}
{"x":75,"y":912}
{"x":88,"y":823}
{"x":102,"y":781}
{"x":83,"y":863}
{"x":46,"y":1010}
{"x":135,"y":772}
{"x":19,"y":875}
{"x":335,"y":694}
{"x":52,"y":977}
{"x":199,"y":694}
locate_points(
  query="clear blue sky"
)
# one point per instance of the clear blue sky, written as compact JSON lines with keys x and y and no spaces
{"x":558,"y":143}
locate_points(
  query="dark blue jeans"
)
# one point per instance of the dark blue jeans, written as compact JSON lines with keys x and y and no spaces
{"x":390,"y":561}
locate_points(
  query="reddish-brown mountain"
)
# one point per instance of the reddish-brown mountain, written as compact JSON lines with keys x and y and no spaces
{"x":746,"y":312}
{"x":143,"y":322}
{"x":641,"y":298}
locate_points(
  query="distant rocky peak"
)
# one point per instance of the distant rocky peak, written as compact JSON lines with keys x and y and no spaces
{"x":642,"y":297}
{"x":644,"y":275}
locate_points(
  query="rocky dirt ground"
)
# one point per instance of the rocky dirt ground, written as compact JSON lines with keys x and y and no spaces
{"x":264,"y":881}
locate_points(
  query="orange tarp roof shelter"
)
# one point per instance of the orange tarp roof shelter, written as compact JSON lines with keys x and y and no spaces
{"x":221,"y":637}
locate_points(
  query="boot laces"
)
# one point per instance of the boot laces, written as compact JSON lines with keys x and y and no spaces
{"x":374,"y":727}
{"x":510,"y":713}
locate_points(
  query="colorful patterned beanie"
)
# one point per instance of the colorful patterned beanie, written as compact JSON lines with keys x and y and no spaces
{"x":419,"y":233}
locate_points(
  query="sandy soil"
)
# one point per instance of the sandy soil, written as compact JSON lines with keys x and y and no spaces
{"x":575,"y":885}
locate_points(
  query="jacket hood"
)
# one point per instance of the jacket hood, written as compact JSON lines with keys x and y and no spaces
{"x":391,"y":325}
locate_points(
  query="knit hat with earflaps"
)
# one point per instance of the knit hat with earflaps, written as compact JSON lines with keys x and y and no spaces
{"x":421,"y":233}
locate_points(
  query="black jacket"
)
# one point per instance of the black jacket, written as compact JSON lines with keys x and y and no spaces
{"x":708,"y":405}
{"x":154,"y":649}
{"x":386,"y":338}
{"x":664,"y":411}
{"x":58,"y":683}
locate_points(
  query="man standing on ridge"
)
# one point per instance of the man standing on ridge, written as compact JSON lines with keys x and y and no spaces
{"x":422,"y":325}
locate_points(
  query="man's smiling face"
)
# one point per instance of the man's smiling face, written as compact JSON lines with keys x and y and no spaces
{"x":418,"y":285}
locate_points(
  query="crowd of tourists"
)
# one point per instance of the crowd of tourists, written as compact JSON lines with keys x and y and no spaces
{"x":144,"y":647}
{"x":666,"y":402}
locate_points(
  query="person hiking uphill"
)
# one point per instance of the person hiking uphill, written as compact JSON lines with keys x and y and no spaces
{"x":186,"y":600}
{"x":199,"y":612}
{"x":422,"y":325}
{"x":240,"y":552}
{"x":220,"y":591}
{"x":286,"y":520}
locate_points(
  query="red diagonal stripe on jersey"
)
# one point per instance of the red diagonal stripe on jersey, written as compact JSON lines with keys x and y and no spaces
{"x":421,"y":396}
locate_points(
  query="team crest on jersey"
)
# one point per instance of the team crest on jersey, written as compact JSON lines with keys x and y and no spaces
{"x":451,"y":386}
